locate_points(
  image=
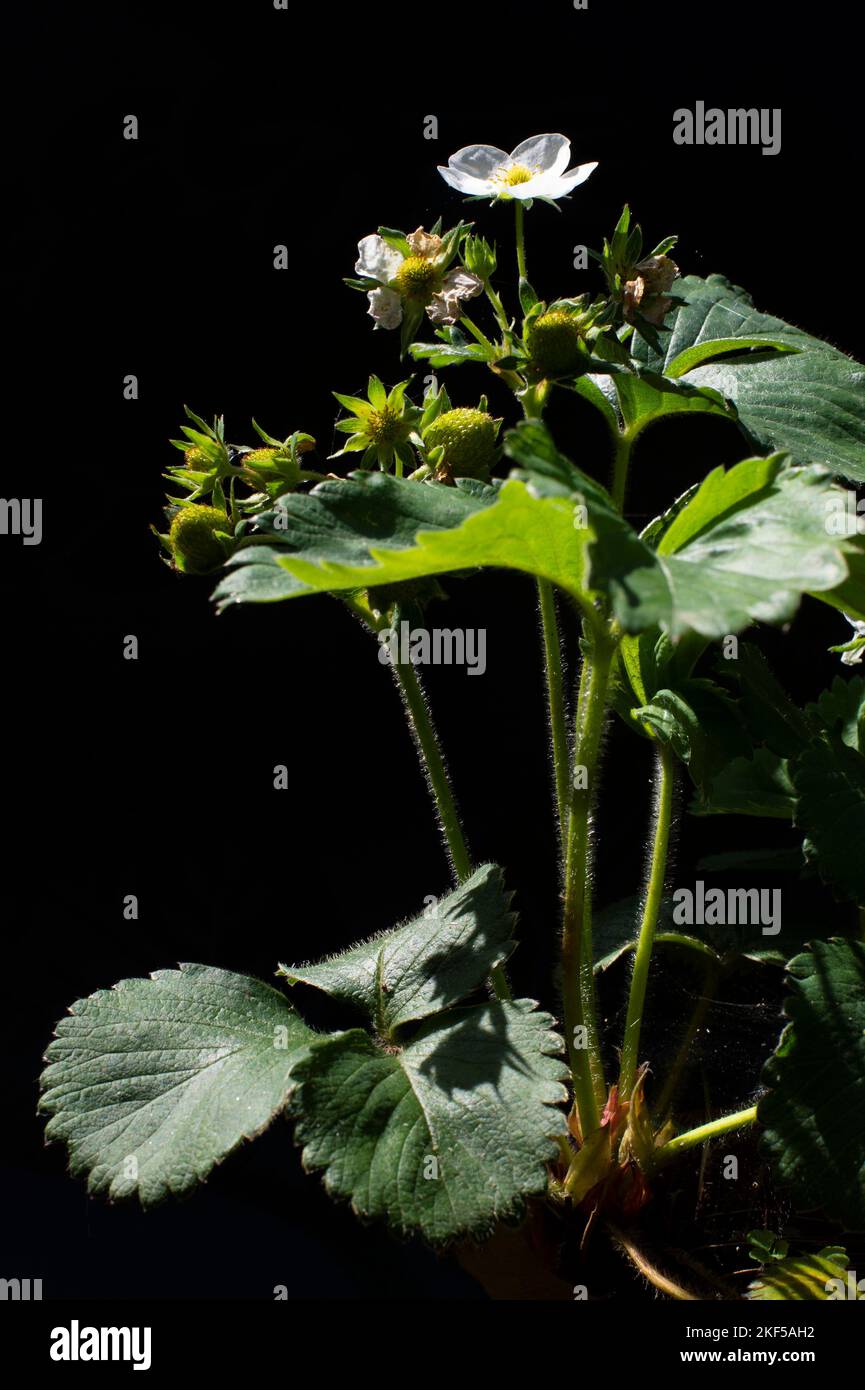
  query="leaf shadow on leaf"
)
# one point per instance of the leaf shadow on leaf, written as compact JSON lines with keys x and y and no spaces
{"x":473,"y":1051}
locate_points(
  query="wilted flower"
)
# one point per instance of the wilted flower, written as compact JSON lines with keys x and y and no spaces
{"x":412,"y":271}
{"x":646,"y":292}
{"x":535,"y":169}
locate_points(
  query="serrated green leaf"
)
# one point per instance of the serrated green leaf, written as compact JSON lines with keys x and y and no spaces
{"x":770,"y":714}
{"x":427,"y":965}
{"x":152,"y":1083}
{"x":743,"y":547}
{"x":374,"y":529}
{"x":803,"y":1277}
{"x":829,"y":781}
{"x":758,"y":786}
{"x":446,"y":1136}
{"x":810,"y":401}
{"x":645,"y":396}
{"x":841,"y":709}
{"x":814,"y":1113}
{"x":448,"y":354}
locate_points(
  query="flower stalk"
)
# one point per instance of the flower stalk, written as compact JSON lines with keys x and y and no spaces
{"x":663,"y":809}
{"x":578,"y":983}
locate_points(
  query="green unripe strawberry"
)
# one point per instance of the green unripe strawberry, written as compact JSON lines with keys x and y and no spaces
{"x":468,"y":438}
{"x":193,"y":541}
{"x":258,"y":458}
{"x":554,"y":343}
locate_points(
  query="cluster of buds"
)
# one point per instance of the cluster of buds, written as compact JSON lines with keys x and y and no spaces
{"x":639,"y":285}
{"x":206,"y":522}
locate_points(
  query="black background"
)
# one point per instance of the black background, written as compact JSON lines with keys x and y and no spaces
{"x":154,"y":777}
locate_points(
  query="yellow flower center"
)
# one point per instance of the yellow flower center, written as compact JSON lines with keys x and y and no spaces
{"x":417,"y":278}
{"x":384,"y":426}
{"x":518,"y":173}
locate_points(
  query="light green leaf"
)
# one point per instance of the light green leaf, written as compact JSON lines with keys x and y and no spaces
{"x":801,"y":1277}
{"x":448,"y":354}
{"x":448,"y":1135}
{"x":810,"y":401}
{"x":152,"y":1083}
{"x":814,"y":1112}
{"x":644,"y":397}
{"x":427,"y":965}
{"x":373,"y":529}
{"x":743,"y":547}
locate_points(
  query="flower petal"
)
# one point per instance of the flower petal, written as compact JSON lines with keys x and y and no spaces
{"x":376,"y":260}
{"x":463,"y":283}
{"x":459,"y":284}
{"x":385,"y":306}
{"x":547,"y":154}
{"x":425,"y":244}
{"x":467,"y":183}
{"x":478,"y":161}
{"x":557,"y":185}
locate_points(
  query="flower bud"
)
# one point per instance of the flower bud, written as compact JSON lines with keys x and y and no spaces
{"x":479,"y":257}
{"x":193,"y":541}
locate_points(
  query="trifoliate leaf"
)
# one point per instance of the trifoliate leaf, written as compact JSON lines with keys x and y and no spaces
{"x":153,"y":1082}
{"x":427,"y":965}
{"x":742,"y":546}
{"x":814,"y":1112}
{"x":810,"y":401}
{"x":446,"y":1136}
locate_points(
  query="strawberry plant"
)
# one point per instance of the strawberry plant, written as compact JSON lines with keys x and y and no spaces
{"x":452,"y":1107}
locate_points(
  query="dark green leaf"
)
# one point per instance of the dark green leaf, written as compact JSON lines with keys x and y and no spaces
{"x":153,"y":1082}
{"x":446,"y":1136}
{"x":814,"y":1113}
{"x":427,"y":965}
{"x":807,"y":398}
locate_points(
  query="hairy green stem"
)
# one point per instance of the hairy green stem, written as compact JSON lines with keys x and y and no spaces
{"x":426,"y":739}
{"x":423,"y":729}
{"x":498,"y":309}
{"x":578,"y":983}
{"x":520,"y":222}
{"x":621,"y":462}
{"x":663,"y":808}
{"x":555,"y":698}
{"x":703,"y":1133}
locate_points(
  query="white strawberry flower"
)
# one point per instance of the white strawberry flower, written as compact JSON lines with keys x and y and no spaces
{"x":535,"y":169}
{"x":419,"y":278}
{"x":855,"y":648}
